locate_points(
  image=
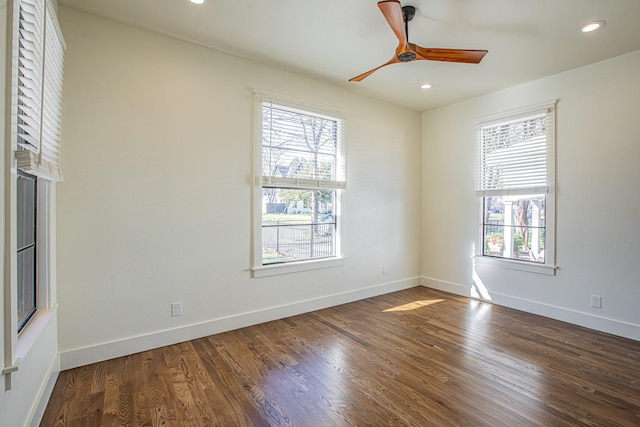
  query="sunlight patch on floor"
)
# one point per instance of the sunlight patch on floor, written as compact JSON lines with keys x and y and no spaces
{"x":414,"y":305}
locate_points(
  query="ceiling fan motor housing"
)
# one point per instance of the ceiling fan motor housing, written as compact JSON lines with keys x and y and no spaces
{"x":406,"y":56}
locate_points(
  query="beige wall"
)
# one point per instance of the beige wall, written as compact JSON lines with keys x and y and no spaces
{"x":155,"y":207}
{"x":598,"y":200}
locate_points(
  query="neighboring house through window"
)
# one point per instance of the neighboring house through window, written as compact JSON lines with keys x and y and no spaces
{"x":299,"y":181}
{"x":516,"y":183}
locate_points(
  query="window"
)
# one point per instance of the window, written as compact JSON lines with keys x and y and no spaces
{"x":301,"y":176}
{"x":27,"y":251}
{"x":37,"y":52}
{"x":39,"y":60}
{"x":516,"y":182}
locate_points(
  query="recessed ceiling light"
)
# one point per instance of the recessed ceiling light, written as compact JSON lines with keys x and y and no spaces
{"x":425,"y":86}
{"x":592,"y":26}
{"x":197,"y":1}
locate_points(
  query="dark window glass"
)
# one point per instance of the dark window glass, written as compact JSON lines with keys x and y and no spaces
{"x":26,"y":234}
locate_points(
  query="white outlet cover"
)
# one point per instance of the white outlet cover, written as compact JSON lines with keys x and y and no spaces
{"x":176,"y":309}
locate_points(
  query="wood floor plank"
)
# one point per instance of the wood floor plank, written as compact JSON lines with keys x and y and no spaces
{"x":417,"y":357}
{"x":110,"y":405}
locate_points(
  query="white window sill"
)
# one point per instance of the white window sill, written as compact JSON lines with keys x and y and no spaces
{"x":33,"y":330}
{"x":511,"y":264}
{"x":296,"y":267}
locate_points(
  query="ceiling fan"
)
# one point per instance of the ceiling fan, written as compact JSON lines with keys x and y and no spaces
{"x":398,"y":18}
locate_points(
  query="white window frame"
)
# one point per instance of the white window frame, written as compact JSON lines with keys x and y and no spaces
{"x":46,"y":303}
{"x":549,"y":266}
{"x":260,"y":182}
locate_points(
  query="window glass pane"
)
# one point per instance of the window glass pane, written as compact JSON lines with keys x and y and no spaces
{"x":289,"y":164}
{"x":26,"y":257}
{"x":297,"y":225}
{"x":514,"y":227}
{"x":26,"y":201}
{"x":26,"y":285}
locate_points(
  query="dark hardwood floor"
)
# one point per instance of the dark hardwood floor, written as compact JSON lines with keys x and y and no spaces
{"x":417,"y":357}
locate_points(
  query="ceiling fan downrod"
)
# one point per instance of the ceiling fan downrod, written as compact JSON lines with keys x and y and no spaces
{"x":408,"y":12}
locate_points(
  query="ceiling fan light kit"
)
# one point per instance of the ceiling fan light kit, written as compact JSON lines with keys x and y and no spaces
{"x":398,"y":18}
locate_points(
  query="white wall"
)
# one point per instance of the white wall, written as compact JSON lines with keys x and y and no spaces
{"x":155,"y":207}
{"x":33,"y":383}
{"x":598,"y":201}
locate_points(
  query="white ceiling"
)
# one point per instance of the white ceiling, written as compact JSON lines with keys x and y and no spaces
{"x":334,"y":40}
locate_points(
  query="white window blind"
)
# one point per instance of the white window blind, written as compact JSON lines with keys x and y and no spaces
{"x":41,"y":58}
{"x":300,"y":149}
{"x":30,"y":66}
{"x":516,"y":156}
{"x":52,"y":93}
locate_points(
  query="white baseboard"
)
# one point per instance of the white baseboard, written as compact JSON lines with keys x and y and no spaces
{"x":109,"y":350}
{"x":598,"y":323}
{"x":43,"y":395}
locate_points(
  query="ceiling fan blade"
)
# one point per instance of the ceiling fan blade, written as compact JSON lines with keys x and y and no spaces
{"x":392,"y":12}
{"x":448,"y":55}
{"x":362,"y":76}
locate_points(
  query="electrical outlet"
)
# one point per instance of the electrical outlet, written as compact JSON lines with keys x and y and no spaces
{"x":176,"y":309}
{"x":385,"y":270}
{"x":596,"y":301}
